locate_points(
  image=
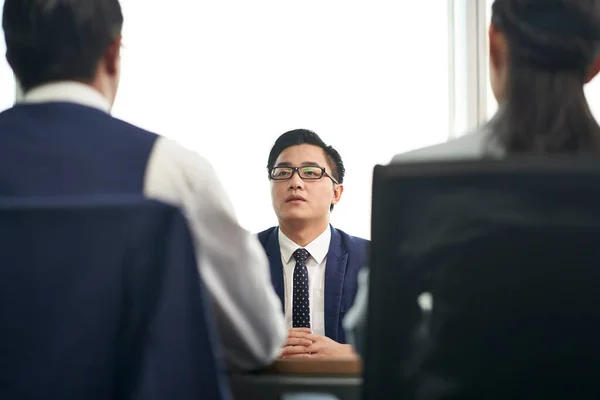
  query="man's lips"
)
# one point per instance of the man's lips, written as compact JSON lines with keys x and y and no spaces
{"x":294,"y":197}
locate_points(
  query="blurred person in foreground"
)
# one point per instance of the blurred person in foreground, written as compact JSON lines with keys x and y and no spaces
{"x":541,"y":54}
{"x":61,"y":140}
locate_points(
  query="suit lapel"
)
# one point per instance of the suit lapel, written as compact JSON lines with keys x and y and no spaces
{"x":274,"y":253}
{"x":335,"y":271}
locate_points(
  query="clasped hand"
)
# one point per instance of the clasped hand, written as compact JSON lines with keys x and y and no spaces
{"x":302,"y":343}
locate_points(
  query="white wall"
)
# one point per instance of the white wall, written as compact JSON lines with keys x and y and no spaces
{"x":226,"y":78}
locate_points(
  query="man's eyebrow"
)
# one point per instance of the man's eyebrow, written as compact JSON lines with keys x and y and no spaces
{"x":304,"y":164}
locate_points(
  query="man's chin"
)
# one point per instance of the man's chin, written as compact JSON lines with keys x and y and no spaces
{"x":295,"y":216}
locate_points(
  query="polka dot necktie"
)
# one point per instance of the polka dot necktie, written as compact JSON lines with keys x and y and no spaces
{"x":301,"y":305}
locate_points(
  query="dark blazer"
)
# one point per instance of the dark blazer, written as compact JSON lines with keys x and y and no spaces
{"x":61,"y":149}
{"x":347,"y":255}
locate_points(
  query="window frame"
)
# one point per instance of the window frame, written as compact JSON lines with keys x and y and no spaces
{"x":467,"y":65}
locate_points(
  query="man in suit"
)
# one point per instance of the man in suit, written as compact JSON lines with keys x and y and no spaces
{"x":314,"y":267}
{"x":61,"y":140}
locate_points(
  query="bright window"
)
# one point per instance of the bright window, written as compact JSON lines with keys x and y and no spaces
{"x":592,"y":92}
{"x":226,"y":78}
{"x":492,"y":104}
{"x":7,"y":82}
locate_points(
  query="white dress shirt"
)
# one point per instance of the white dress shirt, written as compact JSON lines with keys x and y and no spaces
{"x":231,"y":261}
{"x":315,"y":264}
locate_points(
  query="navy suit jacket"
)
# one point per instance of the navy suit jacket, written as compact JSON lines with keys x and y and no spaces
{"x":347,"y":255}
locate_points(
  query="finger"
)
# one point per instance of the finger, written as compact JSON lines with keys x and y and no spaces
{"x":298,"y":342}
{"x":297,"y":356}
{"x":305,"y":330}
{"x":314,"y":338}
{"x":315,"y":348}
{"x":291,"y":350}
{"x":299,"y":335}
{"x":294,"y":350}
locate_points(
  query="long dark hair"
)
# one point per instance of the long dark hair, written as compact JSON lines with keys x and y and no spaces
{"x":551,"y":45}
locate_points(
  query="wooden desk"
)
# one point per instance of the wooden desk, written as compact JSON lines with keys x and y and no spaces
{"x":317,"y":367}
{"x":339,"y":377}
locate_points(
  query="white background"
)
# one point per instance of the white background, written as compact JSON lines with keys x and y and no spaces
{"x":7,"y":82}
{"x":226,"y":78}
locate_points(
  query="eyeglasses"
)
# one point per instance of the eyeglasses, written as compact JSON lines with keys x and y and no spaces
{"x":305,"y":173}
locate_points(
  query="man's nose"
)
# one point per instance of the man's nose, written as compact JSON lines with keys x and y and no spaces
{"x":295,"y":181}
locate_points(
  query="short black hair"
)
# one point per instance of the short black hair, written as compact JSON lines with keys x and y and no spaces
{"x":304,"y":136}
{"x":51,"y":40}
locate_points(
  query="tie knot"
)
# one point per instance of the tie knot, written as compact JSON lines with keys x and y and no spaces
{"x":301,"y":255}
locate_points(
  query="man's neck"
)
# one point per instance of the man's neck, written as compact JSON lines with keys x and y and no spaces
{"x":67,"y":91}
{"x":301,"y":232}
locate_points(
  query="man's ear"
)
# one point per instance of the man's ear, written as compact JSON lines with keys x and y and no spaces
{"x":8,"y":60}
{"x":497,"y":47}
{"x":337,"y":193}
{"x":593,"y":70}
{"x":112,"y":56}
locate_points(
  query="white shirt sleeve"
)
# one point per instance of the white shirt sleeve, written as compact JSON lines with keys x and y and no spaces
{"x":231,"y":261}
{"x":355,"y":321}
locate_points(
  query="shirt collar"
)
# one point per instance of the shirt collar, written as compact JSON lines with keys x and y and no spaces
{"x":67,"y":91}
{"x":318,"y":248}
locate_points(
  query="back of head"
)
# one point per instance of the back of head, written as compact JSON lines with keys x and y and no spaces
{"x":53,"y":40}
{"x":552,"y":49}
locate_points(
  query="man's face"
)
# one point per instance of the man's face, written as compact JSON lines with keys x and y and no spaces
{"x":303,"y":199}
